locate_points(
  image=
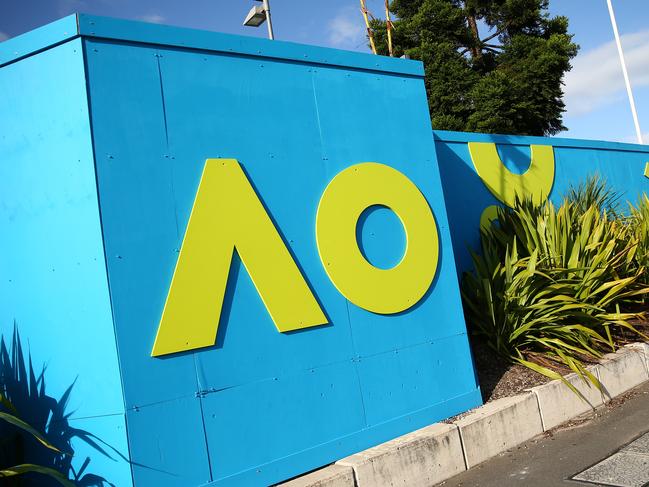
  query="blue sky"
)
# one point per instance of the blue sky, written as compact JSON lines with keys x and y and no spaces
{"x":597,"y":106}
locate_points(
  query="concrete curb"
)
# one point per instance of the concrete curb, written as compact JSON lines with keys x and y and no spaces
{"x":498,"y":426}
{"x":331,"y":476}
{"x":433,"y":454}
{"x":558,"y":404}
{"x":418,"y":458}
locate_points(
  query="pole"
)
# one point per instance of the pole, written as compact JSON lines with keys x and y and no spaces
{"x":388,"y":26}
{"x":624,"y":71}
{"x":271,"y":35}
{"x":367,"y":24}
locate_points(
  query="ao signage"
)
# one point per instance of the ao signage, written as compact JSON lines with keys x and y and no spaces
{"x":228,"y":215}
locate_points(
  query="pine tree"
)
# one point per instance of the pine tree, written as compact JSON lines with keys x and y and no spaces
{"x":492,"y":66}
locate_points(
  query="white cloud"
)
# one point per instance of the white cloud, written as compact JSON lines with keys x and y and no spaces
{"x":3,"y":36}
{"x":596,"y":78}
{"x":152,"y":18}
{"x":346,"y":30}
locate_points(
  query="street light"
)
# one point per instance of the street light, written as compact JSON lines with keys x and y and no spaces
{"x":627,"y":82}
{"x":257,"y":15}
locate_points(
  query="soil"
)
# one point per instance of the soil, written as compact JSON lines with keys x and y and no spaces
{"x":498,"y":378}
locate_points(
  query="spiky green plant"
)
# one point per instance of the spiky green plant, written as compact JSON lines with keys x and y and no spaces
{"x":639,"y":224}
{"x":548,"y":289}
{"x":594,"y":191}
{"x":14,"y":420}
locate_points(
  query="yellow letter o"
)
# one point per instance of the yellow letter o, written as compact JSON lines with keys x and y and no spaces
{"x":352,"y":191}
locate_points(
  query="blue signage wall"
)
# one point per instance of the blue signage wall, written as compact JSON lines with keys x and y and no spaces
{"x":105,"y":129}
{"x":467,"y":195}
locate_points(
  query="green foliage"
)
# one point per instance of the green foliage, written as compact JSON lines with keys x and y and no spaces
{"x":35,"y":434}
{"x":554,"y":286}
{"x":507,"y":79}
{"x":594,"y":192}
{"x":639,"y":223}
{"x":14,"y":420}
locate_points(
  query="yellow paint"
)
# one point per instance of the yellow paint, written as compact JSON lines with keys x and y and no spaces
{"x":228,"y":215}
{"x":536,"y":182}
{"x":351,"y":192}
{"x":646,"y":170}
{"x":489,"y":214}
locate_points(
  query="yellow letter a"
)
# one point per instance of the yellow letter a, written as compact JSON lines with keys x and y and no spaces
{"x":227,"y":214}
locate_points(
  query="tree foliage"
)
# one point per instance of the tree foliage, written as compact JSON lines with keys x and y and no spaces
{"x":492,"y":66}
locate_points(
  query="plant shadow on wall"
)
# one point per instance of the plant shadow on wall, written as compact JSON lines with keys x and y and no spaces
{"x":36,"y":438}
{"x":555,"y":288}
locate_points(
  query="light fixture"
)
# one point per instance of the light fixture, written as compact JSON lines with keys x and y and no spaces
{"x":258,"y":15}
{"x":255,"y":17}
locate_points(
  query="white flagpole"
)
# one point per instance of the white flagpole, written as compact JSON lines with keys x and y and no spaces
{"x":624,"y":71}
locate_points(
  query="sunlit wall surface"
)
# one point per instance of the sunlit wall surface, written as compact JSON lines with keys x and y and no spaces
{"x":102,"y":154}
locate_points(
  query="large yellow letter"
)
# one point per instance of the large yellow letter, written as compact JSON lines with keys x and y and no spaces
{"x":351,"y":192}
{"x":228,"y":215}
{"x":536,"y":182}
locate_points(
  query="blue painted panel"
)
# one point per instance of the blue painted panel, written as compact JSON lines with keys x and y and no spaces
{"x":463,"y":137}
{"x":622,"y":165}
{"x":42,"y":38}
{"x":167,"y":448}
{"x":124,"y":30}
{"x":303,"y":406}
{"x":52,"y":267}
{"x":136,"y":186}
{"x":114,"y":463}
{"x":142,"y":237}
{"x":401,"y":381}
{"x":320,"y":454}
{"x":268,"y":409}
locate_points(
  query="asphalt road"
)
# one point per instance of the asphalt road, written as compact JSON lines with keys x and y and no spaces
{"x":607,"y":447}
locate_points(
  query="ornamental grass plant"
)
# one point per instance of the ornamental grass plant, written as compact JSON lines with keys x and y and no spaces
{"x":558,"y":287}
{"x":639,"y":221}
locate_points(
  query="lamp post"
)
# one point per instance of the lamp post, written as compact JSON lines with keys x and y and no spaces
{"x":627,"y":82}
{"x":258,"y":15}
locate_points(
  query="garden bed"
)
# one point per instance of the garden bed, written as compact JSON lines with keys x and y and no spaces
{"x":499,"y":379}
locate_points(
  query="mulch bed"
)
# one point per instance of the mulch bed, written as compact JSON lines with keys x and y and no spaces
{"x":498,"y":378}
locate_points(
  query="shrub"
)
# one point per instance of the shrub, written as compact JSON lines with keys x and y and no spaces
{"x":554,"y":286}
{"x":639,"y":223}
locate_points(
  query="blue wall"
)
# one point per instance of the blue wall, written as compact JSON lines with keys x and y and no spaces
{"x":621,"y":165}
{"x":103,"y":137}
{"x":261,"y":406}
{"x":52,"y":267}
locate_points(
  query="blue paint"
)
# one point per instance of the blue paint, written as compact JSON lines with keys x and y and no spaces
{"x":622,"y":165}
{"x":381,"y":237}
{"x":52,"y":267}
{"x":265,"y":406}
{"x":39,"y":39}
{"x":259,"y":406}
{"x":163,"y":35}
{"x":514,"y":157}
